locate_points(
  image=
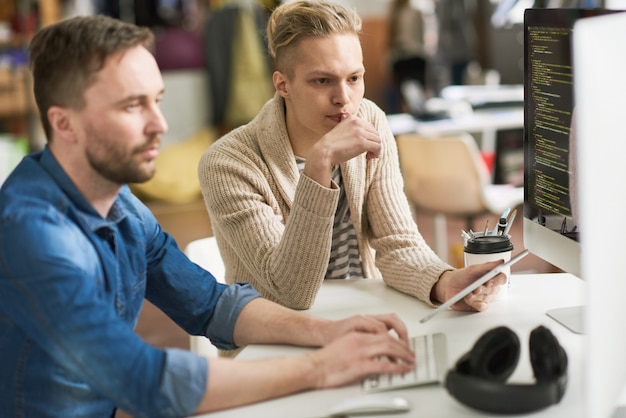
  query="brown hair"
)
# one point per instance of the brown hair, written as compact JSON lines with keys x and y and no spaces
{"x":294,"y":21}
{"x":65,"y":56}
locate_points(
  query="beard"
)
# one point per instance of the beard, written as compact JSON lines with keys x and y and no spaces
{"x":116,"y":164}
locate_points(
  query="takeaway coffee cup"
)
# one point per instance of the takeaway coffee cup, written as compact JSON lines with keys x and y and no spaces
{"x":480,"y":249}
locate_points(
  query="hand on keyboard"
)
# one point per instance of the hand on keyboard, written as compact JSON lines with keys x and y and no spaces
{"x":430,"y":364}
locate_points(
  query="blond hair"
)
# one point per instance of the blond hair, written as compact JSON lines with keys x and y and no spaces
{"x":292,"y":22}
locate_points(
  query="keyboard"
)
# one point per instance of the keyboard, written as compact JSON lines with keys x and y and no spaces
{"x":430,"y":366}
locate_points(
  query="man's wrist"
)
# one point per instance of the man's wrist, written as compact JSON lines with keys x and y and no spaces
{"x":318,"y":370}
{"x":437,"y":293}
{"x":318,"y":169}
{"x":320,"y":332}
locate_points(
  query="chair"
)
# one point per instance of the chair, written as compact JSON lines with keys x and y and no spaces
{"x":445,"y":176}
{"x":205,"y":253}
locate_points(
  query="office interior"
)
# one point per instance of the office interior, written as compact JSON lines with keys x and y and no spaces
{"x":198,"y":109}
{"x":182,"y":48}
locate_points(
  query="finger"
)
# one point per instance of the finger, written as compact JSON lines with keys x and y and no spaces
{"x":391,"y":350}
{"x":393,"y":322}
{"x":472,"y":305}
{"x":478,"y":291}
{"x":370,"y":324}
{"x":374,"y":367}
{"x":492,"y":288}
{"x":373,"y":145}
{"x":478,"y":300}
{"x":481,"y":301}
{"x":499,"y":280}
{"x":402,"y":359}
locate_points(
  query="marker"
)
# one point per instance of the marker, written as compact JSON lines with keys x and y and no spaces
{"x":501,"y":226}
{"x":509,"y":222}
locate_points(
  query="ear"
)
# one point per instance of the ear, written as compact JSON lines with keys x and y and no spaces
{"x":61,"y":122}
{"x":280,"y":83}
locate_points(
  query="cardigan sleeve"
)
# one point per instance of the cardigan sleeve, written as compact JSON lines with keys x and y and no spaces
{"x":281,"y":246}
{"x":405,"y":260}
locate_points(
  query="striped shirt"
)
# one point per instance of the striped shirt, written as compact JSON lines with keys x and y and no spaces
{"x":344,"y":261}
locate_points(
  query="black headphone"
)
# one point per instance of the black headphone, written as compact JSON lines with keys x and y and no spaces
{"x":478,"y":379}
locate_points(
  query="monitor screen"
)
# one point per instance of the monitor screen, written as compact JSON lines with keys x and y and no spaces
{"x":551,"y":222}
{"x":574,"y":147}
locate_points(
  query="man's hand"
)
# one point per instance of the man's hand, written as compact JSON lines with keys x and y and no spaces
{"x":351,"y":137}
{"x":371,"y":324}
{"x":352,"y":349}
{"x":452,"y":282}
{"x":357,"y":355}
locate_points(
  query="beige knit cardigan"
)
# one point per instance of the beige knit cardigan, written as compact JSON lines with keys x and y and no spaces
{"x":274,"y":226}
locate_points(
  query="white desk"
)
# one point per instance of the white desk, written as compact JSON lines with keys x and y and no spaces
{"x":529,"y":297}
{"x":484,"y":122}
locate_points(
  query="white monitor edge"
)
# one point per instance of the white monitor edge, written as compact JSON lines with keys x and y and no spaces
{"x":600,"y":92}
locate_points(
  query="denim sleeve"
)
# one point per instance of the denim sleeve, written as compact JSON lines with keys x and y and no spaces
{"x":184,"y":381}
{"x":188,"y":294}
{"x":193,"y":299}
{"x":228,"y":308}
{"x":185,"y":377}
{"x":57,"y":301}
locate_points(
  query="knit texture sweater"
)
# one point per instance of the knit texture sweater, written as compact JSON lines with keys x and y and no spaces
{"x":274,"y":226}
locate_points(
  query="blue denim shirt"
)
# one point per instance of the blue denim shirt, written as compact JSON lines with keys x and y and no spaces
{"x":71,"y":288}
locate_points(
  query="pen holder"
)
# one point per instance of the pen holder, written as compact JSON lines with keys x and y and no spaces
{"x":480,"y":249}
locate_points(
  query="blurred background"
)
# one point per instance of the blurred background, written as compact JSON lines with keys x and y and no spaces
{"x":212,"y":52}
{"x":217,"y":74}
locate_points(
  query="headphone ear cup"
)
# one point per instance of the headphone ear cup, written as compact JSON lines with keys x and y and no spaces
{"x":494,"y":356}
{"x":478,"y":379}
{"x":548,"y":358}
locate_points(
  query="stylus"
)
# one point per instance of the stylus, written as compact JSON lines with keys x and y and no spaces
{"x":490,"y":275}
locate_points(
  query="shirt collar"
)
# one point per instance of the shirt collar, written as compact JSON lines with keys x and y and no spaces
{"x":87,"y":212}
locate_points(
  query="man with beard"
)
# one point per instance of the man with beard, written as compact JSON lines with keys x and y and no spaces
{"x":78,"y":254}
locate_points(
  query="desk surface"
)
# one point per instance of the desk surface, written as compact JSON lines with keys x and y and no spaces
{"x":522,"y":309}
{"x":484,"y":122}
{"x":475,"y":122}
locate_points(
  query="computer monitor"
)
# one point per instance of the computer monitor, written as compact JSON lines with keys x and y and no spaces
{"x":552,"y":225}
{"x":599,"y":62}
{"x":599,"y":58}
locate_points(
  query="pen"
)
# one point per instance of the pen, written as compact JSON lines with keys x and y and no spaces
{"x":486,"y":228}
{"x":505,"y":213}
{"x":509,"y":222}
{"x":465,"y":235}
{"x":564,"y":225}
